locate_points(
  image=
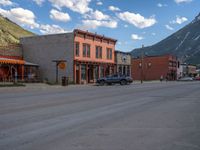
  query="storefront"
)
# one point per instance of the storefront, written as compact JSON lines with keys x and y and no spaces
{"x":89,"y":72}
{"x":123,"y":63}
{"x":11,"y":69}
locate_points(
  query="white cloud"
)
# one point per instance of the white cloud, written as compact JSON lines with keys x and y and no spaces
{"x":161,"y":5}
{"x":169,"y":27}
{"x":93,"y":24}
{"x":51,"y":29}
{"x":39,"y":2}
{"x":6,"y":3}
{"x":23,"y":17}
{"x":80,"y":6}
{"x":113,"y":8}
{"x":99,"y":3}
{"x":97,"y":15}
{"x":179,"y":20}
{"x":137,"y":20}
{"x":96,"y":19}
{"x":136,"y":37}
{"x":59,"y":16}
{"x":125,"y":26}
{"x":182,"y":1}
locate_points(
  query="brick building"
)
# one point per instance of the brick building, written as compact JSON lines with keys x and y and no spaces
{"x":155,"y":67}
{"x":88,"y":55}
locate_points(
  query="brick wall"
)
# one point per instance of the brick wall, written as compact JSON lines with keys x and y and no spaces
{"x":153,"y":67}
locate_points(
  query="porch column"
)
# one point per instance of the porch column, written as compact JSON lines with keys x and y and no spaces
{"x":22,"y":78}
{"x":86,"y":73}
{"x":130,"y":72}
{"x":104,"y":70}
{"x":126,"y":71}
{"x":75,"y":73}
{"x":99,"y":71}
{"x":93,"y":70}
{"x":80,"y":74}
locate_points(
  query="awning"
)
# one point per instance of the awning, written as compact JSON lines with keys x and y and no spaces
{"x":30,"y":64}
{"x":11,"y":61}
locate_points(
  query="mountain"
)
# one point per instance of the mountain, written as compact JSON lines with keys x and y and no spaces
{"x":185,"y":44}
{"x":10,"y":32}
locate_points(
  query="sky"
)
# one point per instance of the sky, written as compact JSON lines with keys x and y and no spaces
{"x":132,"y":22}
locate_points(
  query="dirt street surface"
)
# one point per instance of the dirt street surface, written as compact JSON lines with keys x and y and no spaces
{"x":151,"y":116}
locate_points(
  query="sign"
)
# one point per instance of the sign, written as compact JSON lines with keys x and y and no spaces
{"x":62,"y":65}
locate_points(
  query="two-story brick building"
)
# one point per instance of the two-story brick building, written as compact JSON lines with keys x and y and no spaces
{"x":155,"y":67}
{"x":88,"y":55}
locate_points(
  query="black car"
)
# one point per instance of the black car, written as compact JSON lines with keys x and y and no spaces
{"x":123,"y":80}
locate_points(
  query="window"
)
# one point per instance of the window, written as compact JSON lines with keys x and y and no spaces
{"x":109,"y":53}
{"x":86,"y":50}
{"x":98,"y":52}
{"x":77,"y":48}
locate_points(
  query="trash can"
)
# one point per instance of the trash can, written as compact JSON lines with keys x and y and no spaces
{"x":64,"y":81}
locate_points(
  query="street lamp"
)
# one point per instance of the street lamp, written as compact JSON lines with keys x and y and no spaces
{"x":141,"y":65}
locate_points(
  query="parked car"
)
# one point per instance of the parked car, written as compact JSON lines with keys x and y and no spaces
{"x":197,"y":78}
{"x":186,"y":79}
{"x":123,"y":80}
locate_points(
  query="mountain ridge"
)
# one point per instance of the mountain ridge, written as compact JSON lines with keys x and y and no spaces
{"x":10,"y":32}
{"x":184,"y":43}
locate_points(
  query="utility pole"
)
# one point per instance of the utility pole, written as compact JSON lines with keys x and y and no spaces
{"x":142,"y":60}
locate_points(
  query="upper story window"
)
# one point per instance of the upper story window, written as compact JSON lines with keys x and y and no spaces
{"x":109,"y":53}
{"x":77,"y":48}
{"x":98,"y":52}
{"x":86,"y":50}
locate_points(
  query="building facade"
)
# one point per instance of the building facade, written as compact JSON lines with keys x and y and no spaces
{"x":123,"y":63}
{"x":88,"y":55}
{"x":189,"y":70}
{"x":12,"y":65}
{"x":155,"y":68}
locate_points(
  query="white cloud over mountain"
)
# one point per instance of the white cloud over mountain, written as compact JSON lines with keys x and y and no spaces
{"x":51,"y":29}
{"x":137,"y":20}
{"x":182,"y":1}
{"x":136,"y":37}
{"x":59,"y":16}
{"x":179,"y":20}
{"x":79,"y":6}
{"x":93,"y":24}
{"x":21,"y":16}
{"x":39,"y":2}
{"x":113,"y":8}
{"x":6,"y":3}
{"x":169,"y":27}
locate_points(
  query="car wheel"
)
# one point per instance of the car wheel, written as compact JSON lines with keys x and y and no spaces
{"x":102,"y":83}
{"x":123,"y":82}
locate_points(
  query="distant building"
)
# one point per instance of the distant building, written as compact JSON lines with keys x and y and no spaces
{"x":12,"y":65}
{"x":88,"y":55}
{"x":189,"y":70}
{"x":123,"y":63}
{"x":155,"y":67}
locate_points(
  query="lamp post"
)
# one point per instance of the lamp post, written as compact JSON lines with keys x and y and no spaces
{"x":141,"y":70}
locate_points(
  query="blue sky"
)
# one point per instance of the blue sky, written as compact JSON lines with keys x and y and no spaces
{"x":131,"y":22}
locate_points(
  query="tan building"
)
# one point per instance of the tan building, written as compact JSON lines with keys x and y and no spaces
{"x":123,"y":63}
